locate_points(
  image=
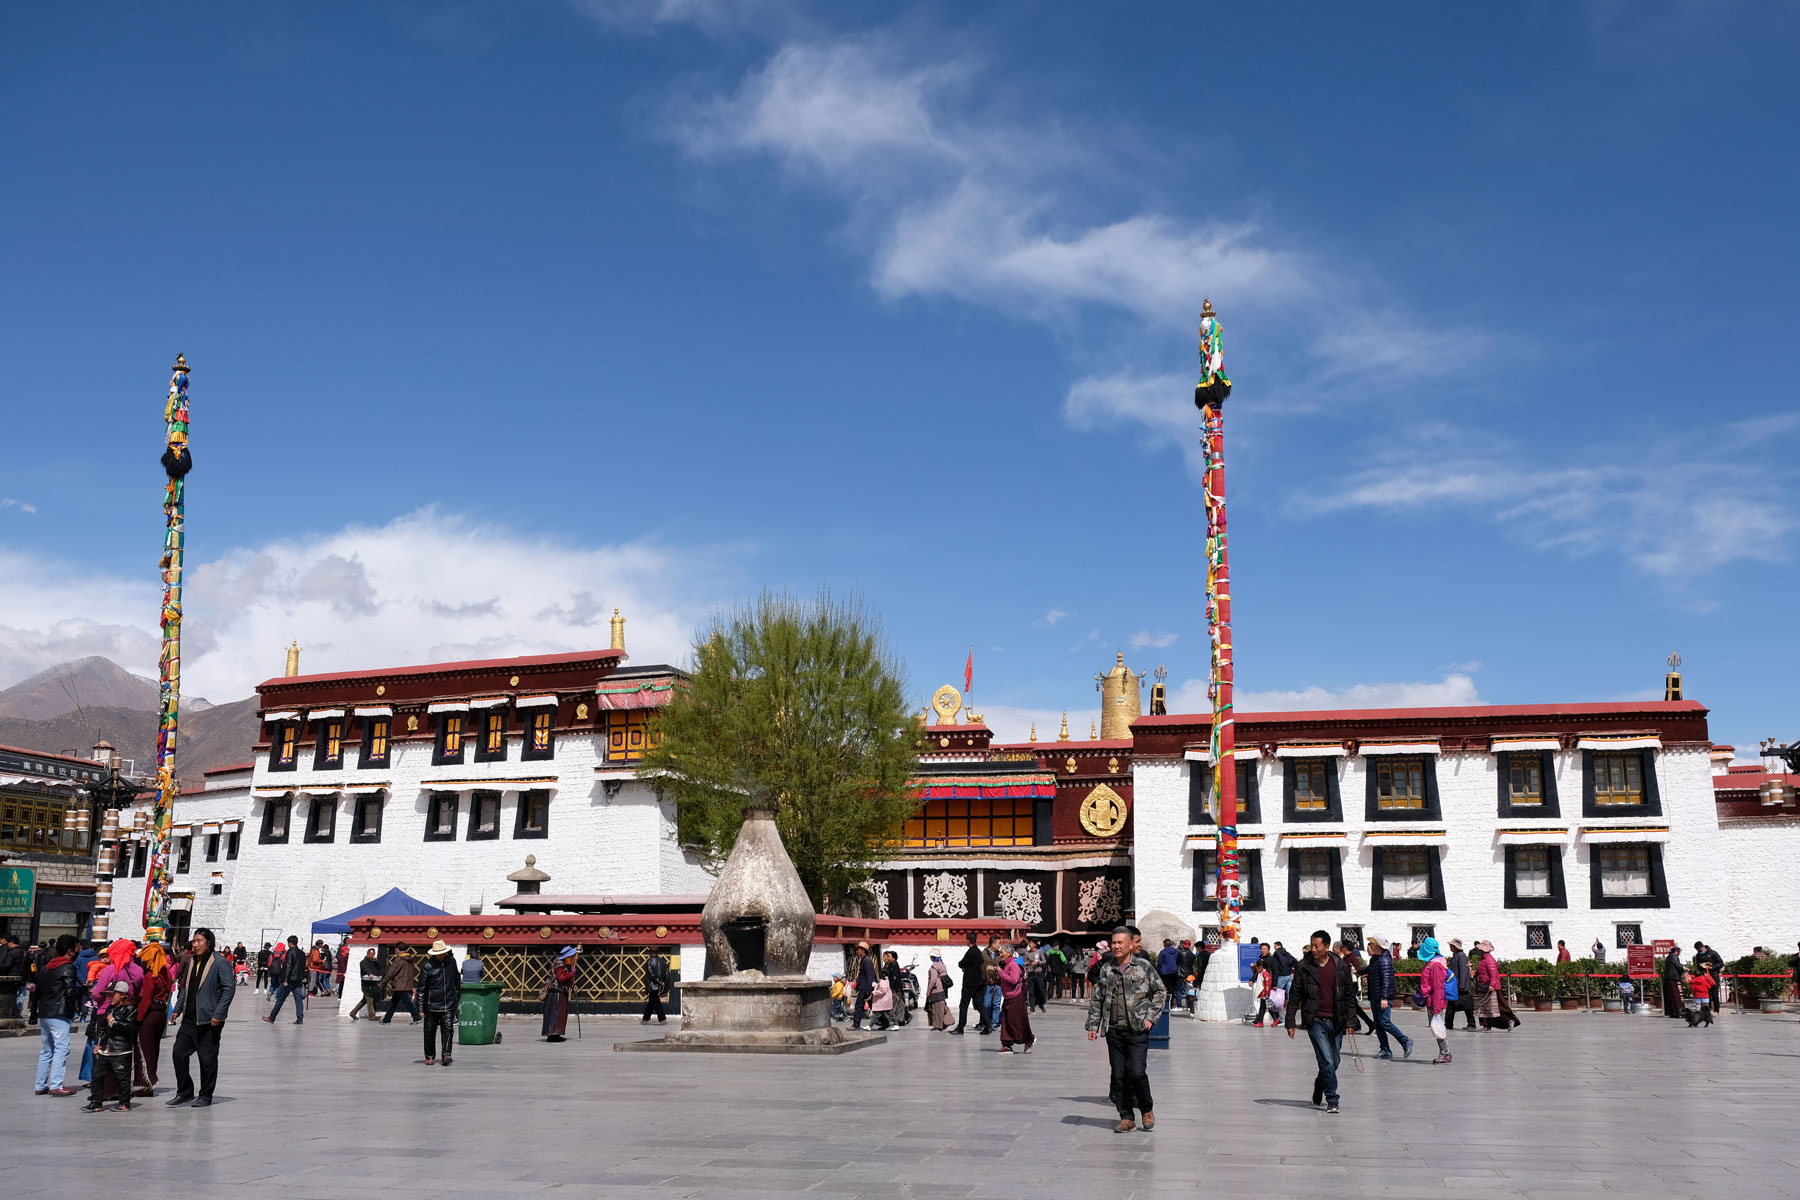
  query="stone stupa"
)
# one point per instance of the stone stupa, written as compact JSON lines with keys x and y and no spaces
{"x":756,"y":997}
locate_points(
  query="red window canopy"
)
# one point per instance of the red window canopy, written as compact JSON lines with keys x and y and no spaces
{"x":1008,"y":787}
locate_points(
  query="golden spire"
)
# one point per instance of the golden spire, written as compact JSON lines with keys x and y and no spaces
{"x":1034,"y":731}
{"x":1093,"y":733}
{"x":293,"y":660}
{"x":618,"y":631}
{"x":1064,"y":735}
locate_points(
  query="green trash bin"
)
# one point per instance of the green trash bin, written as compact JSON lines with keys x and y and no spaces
{"x":478,"y":1020}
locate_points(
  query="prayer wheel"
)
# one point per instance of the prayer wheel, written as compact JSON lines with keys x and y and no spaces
{"x":140,"y":820}
{"x":100,"y":927}
{"x":103,"y":894}
{"x":68,"y":820}
{"x":109,"y":825}
{"x":108,"y":859}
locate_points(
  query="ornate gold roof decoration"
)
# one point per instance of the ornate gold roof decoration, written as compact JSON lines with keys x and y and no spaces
{"x":1034,"y":731}
{"x":947,"y":702}
{"x":1064,"y":735}
{"x":618,"y":631}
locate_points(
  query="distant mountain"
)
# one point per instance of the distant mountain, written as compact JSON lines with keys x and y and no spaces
{"x":116,"y":706}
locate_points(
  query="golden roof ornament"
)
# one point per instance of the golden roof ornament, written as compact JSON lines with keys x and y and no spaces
{"x":293,"y":660}
{"x":1092,"y":732}
{"x":1064,"y":735}
{"x":946,"y":702}
{"x":1034,"y":731}
{"x":618,"y":631}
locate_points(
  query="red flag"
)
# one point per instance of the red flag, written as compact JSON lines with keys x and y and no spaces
{"x":969,"y":673}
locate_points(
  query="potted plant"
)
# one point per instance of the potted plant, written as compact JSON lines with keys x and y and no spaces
{"x":1608,"y":996}
{"x":1768,"y":984}
{"x":1579,"y":989}
{"x":1534,"y":980}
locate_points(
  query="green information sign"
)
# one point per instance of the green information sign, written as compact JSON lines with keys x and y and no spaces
{"x":18,"y":890}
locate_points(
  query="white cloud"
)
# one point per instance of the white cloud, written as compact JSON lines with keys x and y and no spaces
{"x":1049,"y":619}
{"x":1453,"y":690}
{"x":9,"y":502}
{"x":1012,"y":724}
{"x":1144,"y":639}
{"x":709,"y":16}
{"x":426,"y":587}
{"x":1162,"y":404}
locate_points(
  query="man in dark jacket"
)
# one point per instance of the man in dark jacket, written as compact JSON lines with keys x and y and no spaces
{"x":656,"y":984}
{"x":973,"y":985}
{"x":1672,"y":974}
{"x":1325,"y":989}
{"x":262,"y":967}
{"x":865,"y":984}
{"x":290,"y":980}
{"x":1282,"y":967}
{"x":368,"y":972}
{"x":402,"y":973}
{"x":1382,"y":994}
{"x":204,"y":1001}
{"x":1706,"y":956}
{"x":58,"y":998}
{"x":440,"y":995}
{"x":1465,"y":991}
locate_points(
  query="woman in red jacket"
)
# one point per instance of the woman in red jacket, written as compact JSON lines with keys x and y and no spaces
{"x":152,"y":1015}
{"x":557,"y":993}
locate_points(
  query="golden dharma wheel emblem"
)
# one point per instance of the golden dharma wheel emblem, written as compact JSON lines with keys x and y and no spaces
{"x":946,"y":702}
{"x":544,"y":932}
{"x":375,"y":933}
{"x":662,"y":931}
{"x":381,"y":689}
{"x":513,"y":682}
{"x":1103,"y":812}
{"x":488,"y":933}
{"x":431,"y":932}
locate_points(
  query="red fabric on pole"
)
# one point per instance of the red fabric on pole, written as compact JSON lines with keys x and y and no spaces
{"x":969,"y":673}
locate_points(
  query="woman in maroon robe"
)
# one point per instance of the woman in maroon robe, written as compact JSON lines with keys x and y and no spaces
{"x":557,"y":993}
{"x":1015,"y":1017}
{"x":152,"y":1015}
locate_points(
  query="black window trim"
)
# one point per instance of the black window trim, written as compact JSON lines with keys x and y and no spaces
{"x":475,"y":799}
{"x":212,"y":845}
{"x":315,"y":806}
{"x":519,"y":830}
{"x":267,"y":836}
{"x":360,"y":834}
{"x":233,"y":840}
{"x":276,"y":732}
{"x":1652,"y":805}
{"x":1336,"y":902}
{"x":1659,"y":883}
{"x":1249,"y":797}
{"x":1372,"y":810}
{"x":184,"y":853}
{"x":438,"y":757}
{"x":481,"y":735}
{"x":527,"y":718}
{"x":365,"y":760}
{"x":1249,"y":872}
{"x":1559,"y":894}
{"x":320,"y":762}
{"x":432,"y":800}
{"x":1552,"y":805}
{"x":1332,"y":813}
{"x":1436,"y":902}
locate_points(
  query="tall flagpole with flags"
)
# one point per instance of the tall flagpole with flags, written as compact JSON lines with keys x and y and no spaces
{"x":177,"y":461}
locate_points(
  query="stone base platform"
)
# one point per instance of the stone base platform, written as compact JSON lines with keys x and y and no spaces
{"x":750,"y":1013}
{"x":1222,"y":997}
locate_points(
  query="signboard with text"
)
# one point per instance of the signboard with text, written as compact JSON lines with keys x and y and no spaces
{"x":1664,"y":947}
{"x":18,"y":891}
{"x":1640,"y":961}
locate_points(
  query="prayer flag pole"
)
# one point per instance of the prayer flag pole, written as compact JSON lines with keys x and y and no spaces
{"x":177,"y":461}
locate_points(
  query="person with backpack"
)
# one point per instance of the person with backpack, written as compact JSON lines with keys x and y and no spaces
{"x":656,"y":982}
{"x":1437,"y":988}
{"x":1282,"y":967}
{"x":1382,"y":995}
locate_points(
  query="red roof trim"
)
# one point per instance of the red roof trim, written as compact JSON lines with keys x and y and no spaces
{"x":479,"y":664}
{"x":1470,"y":713}
{"x":211,"y":771}
{"x":1054,"y":746}
{"x":68,"y":758}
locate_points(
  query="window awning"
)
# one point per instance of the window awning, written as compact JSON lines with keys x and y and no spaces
{"x":234,"y":826}
{"x":272,"y":717}
{"x":377,"y":710}
{"x":1549,"y":836}
{"x":550,"y":782}
{"x":650,"y":694}
{"x":1013,"y":787}
{"x":209,"y":827}
{"x":1612,"y":834}
{"x":489,"y":702}
{"x":1524,"y":743}
{"x":1405,"y":837}
{"x":364,"y":789}
{"x":1312,"y":837}
{"x":1628,"y":742}
{"x":313,"y":791}
{"x":1246,"y":752}
{"x":448,"y":706}
{"x":1311,"y":750}
{"x":324,"y":714}
{"x":1367,"y":748}
{"x":1212,"y":839}
{"x":535,"y":702}
{"x":271,"y":793}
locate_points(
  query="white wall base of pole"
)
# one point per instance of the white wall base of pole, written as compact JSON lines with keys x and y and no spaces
{"x":1222,"y":997}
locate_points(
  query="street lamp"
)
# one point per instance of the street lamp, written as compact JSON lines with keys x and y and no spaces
{"x":106,"y":799}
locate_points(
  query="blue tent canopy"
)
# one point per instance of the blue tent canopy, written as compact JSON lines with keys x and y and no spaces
{"x":392,"y":903}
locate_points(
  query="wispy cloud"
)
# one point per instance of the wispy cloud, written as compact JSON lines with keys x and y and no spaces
{"x":1143,"y":639}
{"x":1453,"y":690}
{"x":1049,"y":619}
{"x":1672,"y":507}
{"x":9,"y":502}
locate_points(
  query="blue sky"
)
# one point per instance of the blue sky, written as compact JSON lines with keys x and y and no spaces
{"x":502,"y":315}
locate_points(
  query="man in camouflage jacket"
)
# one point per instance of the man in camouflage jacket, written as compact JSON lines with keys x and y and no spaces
{"x":1126,"y":1000}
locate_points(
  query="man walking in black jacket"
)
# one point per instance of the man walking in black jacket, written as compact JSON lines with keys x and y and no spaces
{"x":656,"y":982}
{"x":1325,"y":988}
{"x":973,"y":987}
{"x":291,"y":976}
{"x":440,"y":995}
{"x":1706,"y":956}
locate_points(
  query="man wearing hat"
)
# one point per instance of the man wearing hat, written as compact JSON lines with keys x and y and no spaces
{"x":557,"y":994}
{"x":865,"y":984}
{"x":1465,"y":995}
{"x":440,"y":995}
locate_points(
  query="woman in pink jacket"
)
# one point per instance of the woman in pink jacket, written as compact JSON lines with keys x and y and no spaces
{"x":1015,"y":1017}
{"x":1432,"y":983}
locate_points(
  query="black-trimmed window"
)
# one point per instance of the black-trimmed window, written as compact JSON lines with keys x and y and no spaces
{"x":1619,"y":783}
{"x":1627,"y":875}
{"x":1527,"y":781}
{"x":284,"y":747}
{"x":1534,"y":877}
{"x":484,"y":816}
{"x":278,"y":815}
{"x":1401,"y":788}
{"x":329,"y":754}
{"x":365,"y":817}
{"x":491,"y":747}
{"x":1309,"y":790}
{"x":452,"y":732}
{"x":1627,"y":934}
{"x":1537,"y":936}
{"x":184,"y":850}
{"x":1352,"y":936}
{"x":1407,"y":878}
{"x":1249,"y":798}
{"x":1250,"y":885}
{"x":1315,"y":880}
{"x":540,"y":733}
{"x":140,"y":859}
{"x":377,"y":734}
{"x":212,"y":847}
{"x":440,"y":816}
{"x":533,"y":817}
{"x":321,"y":819}
{"x":232,"y":840}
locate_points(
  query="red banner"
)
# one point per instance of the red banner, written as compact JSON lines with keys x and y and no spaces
{"x":1664,"y":947}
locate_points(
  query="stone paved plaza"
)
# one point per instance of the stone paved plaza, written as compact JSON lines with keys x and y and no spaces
{"x":1569,"y":1105}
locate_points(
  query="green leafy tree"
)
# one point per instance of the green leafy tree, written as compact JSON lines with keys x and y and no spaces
{"x":800,"y":707}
